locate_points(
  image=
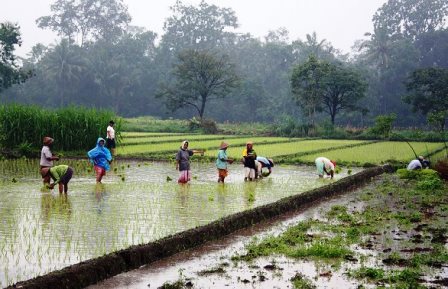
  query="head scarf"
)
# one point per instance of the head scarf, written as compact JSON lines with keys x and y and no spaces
{"x":183,"y":143}
{"x":99,"y":155}
{"x":48,"y":140}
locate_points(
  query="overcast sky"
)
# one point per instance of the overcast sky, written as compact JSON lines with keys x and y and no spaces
{"x":341,"y":22}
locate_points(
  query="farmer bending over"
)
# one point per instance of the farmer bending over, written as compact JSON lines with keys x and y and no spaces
{"x":326,"y":166}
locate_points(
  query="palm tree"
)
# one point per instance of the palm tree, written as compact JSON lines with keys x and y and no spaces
{"x":65,"y":66}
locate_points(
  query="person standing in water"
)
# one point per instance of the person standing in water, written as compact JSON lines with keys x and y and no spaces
{"x":222,"y":161}
{"x":249,"y":157}
{"x":47,"y":157}
{"x":110,"y":137}
{"x":183,"y":162}
{"x":100,"y":157}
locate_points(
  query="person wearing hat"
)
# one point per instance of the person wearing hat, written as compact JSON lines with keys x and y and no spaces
{"x":249,"y":156}
{"x":418,"y":164}
{"x":61,"y":175}
{"x":47,"y":157}
{"x":110,"y":137}
{"x":222,"y":161}
{"x":262,"y":162}
{"x":100,"y":157}
{"x":326,"y":166}
{"x":183,"y":162}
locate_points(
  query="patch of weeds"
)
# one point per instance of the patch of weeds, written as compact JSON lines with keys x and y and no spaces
{"x":301,"y":282}
{"x":333,"y":248}
{"x":217,"y":270}
{"x":373,"y":274}
{"x":179,"y":284}
{"x":340,"y":212}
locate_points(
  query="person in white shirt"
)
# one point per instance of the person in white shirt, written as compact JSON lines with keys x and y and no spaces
{"x":110,"y":138}
{"x":47,"y":157}
{"x":326,"y":166}
{"x":418,"y":164}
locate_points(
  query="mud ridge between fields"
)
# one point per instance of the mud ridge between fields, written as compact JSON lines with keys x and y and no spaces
{"x":94,"y":270}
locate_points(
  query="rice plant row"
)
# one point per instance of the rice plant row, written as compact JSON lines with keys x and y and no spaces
{"x":288,"y":148}
{"x":211,"y":145}
{"x":133,"y":134}
{"x":377,"y":153}
{"x":174,"y":138}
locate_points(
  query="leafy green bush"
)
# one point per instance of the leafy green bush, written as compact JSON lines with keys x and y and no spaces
{"x":383,"y":125}
{"x":427,"y":179}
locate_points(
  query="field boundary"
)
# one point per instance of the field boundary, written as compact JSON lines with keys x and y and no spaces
{"x":94,"y":270}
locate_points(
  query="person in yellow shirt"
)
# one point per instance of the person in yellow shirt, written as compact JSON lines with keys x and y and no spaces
{"x":61,"y":175}
{"x":249,"y":157}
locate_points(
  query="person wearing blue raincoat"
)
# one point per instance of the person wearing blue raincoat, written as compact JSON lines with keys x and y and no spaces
{"x":100,"y":157}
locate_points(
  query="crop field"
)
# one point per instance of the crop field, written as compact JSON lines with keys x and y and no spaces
{"x":213,"y":145}
{"x":127,"y":135}
{"x":377,"y":153}
{"x":173,"y":138}
{"x":139,"y":202}
{"x":289,"y":148}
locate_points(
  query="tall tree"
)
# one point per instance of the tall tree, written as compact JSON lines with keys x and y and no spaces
{"x":307,"y":82}
{"x":200,"y":76}
{"x":88,"y":19}
{"x":410,"y":18}
{"x":428,"y":92}
{"x":343,"y":88}
{"x":202,"y":27}
{"x":10,"y":73}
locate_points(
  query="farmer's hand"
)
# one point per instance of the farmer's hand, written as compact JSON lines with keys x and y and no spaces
{"x":51,"y":186}
{"x":230,"y":161}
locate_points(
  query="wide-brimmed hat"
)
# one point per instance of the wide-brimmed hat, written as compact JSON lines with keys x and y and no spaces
{"x":48,"y":140}
{"x":249,"y":142}
{"x":44,"y":172}
{"x":223,"y":145}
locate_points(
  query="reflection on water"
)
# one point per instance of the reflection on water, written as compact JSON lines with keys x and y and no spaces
{"x":44,"y":231}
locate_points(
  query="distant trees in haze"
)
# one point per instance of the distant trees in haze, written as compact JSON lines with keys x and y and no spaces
{"x":102,"y":61}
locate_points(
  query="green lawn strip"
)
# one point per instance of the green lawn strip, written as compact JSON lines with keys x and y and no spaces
{"x":211,"y":146}
{"x":133,"y":134}
{"x":377,"y":153}
{"x":296,"y":157}
{"x":391,"y":206}
{"x":175,"y":139}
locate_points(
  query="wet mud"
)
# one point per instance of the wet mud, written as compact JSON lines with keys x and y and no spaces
{"x":92,"y":271}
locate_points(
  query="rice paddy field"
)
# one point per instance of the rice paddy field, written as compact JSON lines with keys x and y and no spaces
{"x":140,"y":201}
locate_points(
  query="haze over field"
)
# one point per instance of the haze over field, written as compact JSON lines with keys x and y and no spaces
{"x":340,"y":22}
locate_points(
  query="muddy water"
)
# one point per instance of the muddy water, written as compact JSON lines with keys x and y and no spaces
{"x":41,"y":231}
{"x":262,"y":273}
{"x":276,"y":271}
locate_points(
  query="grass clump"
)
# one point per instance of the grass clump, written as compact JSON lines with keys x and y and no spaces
{"x":301,"y":282}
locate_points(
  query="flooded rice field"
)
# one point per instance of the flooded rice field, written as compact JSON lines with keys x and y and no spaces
{"x":421,"y":263}
{"x":138,"y":202}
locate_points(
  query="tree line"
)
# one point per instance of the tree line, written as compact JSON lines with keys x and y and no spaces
{"x":201,"y":66}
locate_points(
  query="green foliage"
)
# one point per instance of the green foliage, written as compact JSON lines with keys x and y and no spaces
{"x":417,"y":174}
{"x":199,"y":77}
{"x":9,"y":73}
{"x":383,"y":125}
{"x":152,"y":124}
{"x":73,"y":128}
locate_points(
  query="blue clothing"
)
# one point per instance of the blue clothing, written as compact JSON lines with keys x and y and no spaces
{"x":100,"y":155}
{"x":221,"y":161}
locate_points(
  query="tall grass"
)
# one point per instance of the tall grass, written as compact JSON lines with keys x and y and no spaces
{"x":73,"y":128}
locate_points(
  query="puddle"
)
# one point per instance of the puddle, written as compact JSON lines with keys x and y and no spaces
{"x":44,"y":231}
